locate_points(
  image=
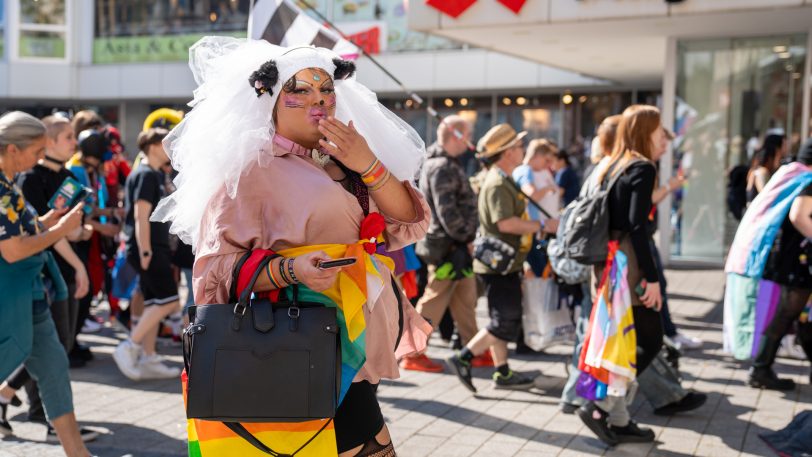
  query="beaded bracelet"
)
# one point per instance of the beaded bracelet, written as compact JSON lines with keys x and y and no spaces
{"x":291,"y":272}
{"x":273,"y":280}
{"x":282,"y":271}
{"x":382,"y":182}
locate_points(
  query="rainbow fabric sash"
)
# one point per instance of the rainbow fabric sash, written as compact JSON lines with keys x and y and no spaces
{"x":750,"y":301}
{"x":609,"y":355}
{"x":358,"y":284}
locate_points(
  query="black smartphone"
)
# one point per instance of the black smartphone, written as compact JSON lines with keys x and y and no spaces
{"x":335,"y":263}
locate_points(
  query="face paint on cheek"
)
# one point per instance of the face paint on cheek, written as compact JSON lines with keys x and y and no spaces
{"x":330,"y":101}
{"x":292,"y":102}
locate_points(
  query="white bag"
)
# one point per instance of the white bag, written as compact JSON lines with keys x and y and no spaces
{"x":545,"y":318}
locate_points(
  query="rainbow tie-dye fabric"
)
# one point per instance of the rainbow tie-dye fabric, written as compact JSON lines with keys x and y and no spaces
{"x":358,"y":284}
{"x":609,"y":354}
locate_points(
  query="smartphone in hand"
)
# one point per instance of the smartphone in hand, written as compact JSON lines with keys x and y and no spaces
{"x":335,"y":263}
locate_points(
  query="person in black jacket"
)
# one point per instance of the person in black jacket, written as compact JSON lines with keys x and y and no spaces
{"x":630,"y":203}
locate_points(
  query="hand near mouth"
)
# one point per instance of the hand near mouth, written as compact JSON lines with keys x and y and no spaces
{"x":345,"y":144}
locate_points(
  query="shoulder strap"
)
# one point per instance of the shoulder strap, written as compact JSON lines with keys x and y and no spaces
{"x":616,"y":177}
{"x":241,"y":431}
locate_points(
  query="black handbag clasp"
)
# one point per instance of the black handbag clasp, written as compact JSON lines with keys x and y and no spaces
{"x":293,"y":313}
{"x":262,"y":312}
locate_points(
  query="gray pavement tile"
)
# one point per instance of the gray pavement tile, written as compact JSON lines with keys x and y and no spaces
{"x":431,"y":414}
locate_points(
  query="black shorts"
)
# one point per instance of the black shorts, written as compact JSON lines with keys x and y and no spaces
{"x":504,"y":294}
{"x":157,"y":282}
{"x":359,"y":417}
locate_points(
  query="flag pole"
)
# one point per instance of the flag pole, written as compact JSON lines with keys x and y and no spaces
{"x":413,"y":96}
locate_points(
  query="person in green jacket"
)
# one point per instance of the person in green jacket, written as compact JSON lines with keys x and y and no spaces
{"x":23,"y":239}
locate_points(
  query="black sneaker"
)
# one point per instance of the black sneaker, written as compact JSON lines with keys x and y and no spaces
{"x":595,"y":419}
{"x":513,"y":381}
{"x":568,"y":408}
{"x":86,"y":434}
{"x":462,"y":369}
{"x":83,"y":352}
{"x":691,"y":401}
{"x":5,"y":427}
{"x":765,"y":378}
{"x":632,"y":433}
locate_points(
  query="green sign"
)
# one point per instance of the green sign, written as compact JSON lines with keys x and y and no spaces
{"x":49,"y":47}
{"x":170,"y":48}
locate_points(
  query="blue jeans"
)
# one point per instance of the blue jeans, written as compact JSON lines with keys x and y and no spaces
{"x":569,"y":395}
{"x":48,"y":364}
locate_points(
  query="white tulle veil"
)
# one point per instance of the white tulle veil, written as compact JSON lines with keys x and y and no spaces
{"x":229,"y":128}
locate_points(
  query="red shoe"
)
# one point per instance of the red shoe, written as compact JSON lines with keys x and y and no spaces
{"x":483,"y":360}
{"x":421,"y":363}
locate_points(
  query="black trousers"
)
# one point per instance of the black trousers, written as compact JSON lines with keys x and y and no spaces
{"x":793,"y":301}
{"x":648,"y":324}
{"x":359,"y":417}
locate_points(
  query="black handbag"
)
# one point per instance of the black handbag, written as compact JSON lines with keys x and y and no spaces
{"x":262,"y":361}
{"x":494,"y":253}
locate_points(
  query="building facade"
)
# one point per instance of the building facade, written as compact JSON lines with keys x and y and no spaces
{"x":729,"y":71}
{"x":125,"y":58}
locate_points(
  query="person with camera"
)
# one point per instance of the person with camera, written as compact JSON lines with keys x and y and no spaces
{"x":506,"y":235}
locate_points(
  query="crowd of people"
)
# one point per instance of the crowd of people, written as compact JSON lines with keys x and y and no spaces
{"x":81,"y":226}
{"x":71,"y":210}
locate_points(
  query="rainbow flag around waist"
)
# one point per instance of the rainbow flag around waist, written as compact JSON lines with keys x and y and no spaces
{"x":357,"y":285}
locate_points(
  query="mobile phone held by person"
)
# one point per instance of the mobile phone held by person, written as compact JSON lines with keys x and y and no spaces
{"x":641,"y":288}
{"x":69,"y":194}
{"x":335,"y":263}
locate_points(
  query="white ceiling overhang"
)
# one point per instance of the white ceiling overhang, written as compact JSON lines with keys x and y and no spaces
{"x":623,"y":41}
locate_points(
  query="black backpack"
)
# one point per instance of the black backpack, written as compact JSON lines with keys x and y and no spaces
{"x":583,"y":230}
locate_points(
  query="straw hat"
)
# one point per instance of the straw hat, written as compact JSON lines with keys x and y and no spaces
{"x":498,"y":139}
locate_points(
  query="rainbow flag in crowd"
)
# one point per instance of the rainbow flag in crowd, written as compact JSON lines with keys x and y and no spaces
{"x":609,"y":355}
{"x":750,"y":301}
{"x":358,"y":284}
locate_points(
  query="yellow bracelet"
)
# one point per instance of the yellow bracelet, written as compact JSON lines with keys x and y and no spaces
{"x":371,"y":167}
{"x":382,"y":182}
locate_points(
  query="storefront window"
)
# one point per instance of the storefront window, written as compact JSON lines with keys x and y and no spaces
{"x":162,"y":30}
{"x":539,"y":115}
{"x":390,"y":16}
{"x":42,"y":29}
{"x":730,"y":94}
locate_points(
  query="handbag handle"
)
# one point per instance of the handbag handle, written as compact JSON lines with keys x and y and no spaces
{"x":243,"y":433}
{"x":245,"y":296}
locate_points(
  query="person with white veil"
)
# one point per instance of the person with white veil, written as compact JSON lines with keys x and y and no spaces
{"x":285,"y":151}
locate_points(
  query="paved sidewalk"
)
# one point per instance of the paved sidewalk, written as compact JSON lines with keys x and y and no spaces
{"x":433,"y":415}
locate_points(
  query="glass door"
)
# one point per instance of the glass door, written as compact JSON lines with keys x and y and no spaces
{"x":730,"y":94}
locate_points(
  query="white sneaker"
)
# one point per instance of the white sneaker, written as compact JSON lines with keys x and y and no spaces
{"x":152,"y":367}
{"x":126,"y":356}
{"x":791,"y":349}
{"x":683,"y":341}
{"x":91,"y":326}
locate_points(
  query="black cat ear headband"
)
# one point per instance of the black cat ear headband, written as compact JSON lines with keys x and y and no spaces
{"x":267,"y":76}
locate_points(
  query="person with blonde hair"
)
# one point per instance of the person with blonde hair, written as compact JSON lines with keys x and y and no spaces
{"x":639,"y":135}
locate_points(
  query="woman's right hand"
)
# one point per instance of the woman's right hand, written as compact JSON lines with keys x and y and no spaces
{"x":653,"y":297}
{"x":72,"y":220}
{"x":311,"y":276}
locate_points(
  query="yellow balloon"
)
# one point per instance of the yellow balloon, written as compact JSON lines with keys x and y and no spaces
{"x":163,"y":117}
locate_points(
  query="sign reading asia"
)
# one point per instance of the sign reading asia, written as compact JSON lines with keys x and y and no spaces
{"x":169,"y":48}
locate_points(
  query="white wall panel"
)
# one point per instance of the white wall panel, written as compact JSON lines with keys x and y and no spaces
{"x":567,"y":11}
{"x":39,"y":80}
{"x":705,"y":6}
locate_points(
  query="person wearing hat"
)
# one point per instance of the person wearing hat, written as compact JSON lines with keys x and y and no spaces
{"x":503,"y":216}
{"x":788,"y":265}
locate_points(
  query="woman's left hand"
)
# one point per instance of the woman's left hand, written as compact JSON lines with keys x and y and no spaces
{"x":345,"y":144}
